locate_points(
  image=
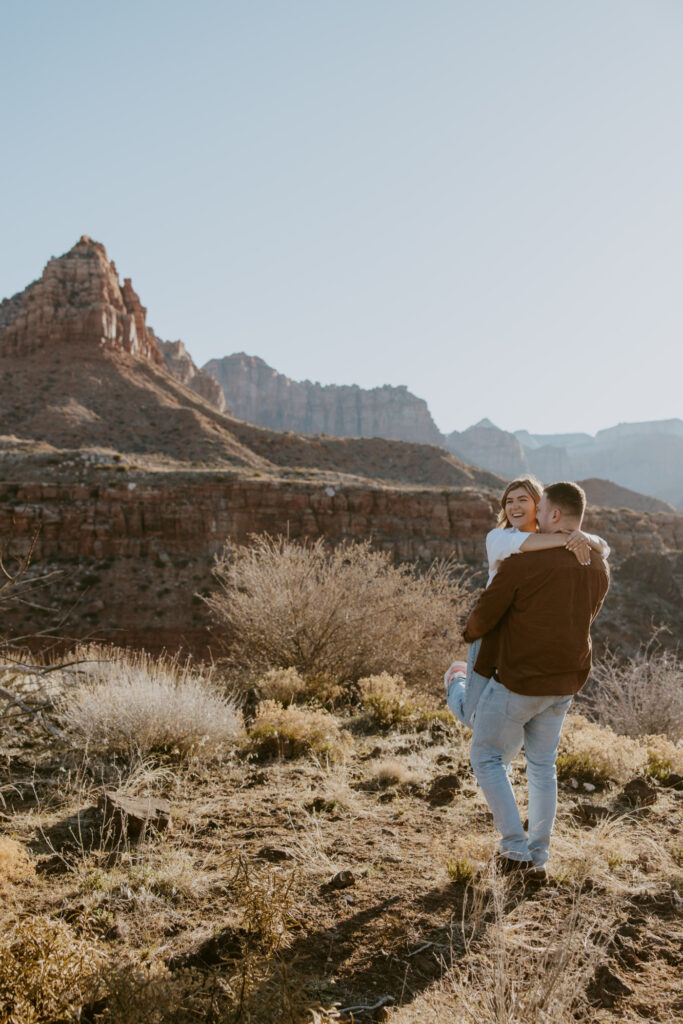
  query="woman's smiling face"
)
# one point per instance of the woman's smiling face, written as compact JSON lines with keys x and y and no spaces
{"x":520,"y":509}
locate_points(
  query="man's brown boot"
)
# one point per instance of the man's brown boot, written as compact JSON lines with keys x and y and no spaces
{"x":508,"y":865}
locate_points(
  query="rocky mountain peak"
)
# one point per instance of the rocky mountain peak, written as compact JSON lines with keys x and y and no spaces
{"x":77,"y":300}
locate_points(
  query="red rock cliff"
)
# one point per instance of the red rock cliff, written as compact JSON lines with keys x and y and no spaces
{"x":78,"y":300}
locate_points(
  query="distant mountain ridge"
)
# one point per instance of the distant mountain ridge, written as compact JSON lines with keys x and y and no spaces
{"x":79,"y":363}
{"x":259,"y":394}
{"x":640,"y":458}
{"x":644,"y":457}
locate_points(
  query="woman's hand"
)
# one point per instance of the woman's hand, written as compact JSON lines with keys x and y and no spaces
{"x":577,"y":542}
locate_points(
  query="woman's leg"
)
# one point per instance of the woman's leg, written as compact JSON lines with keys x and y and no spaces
{"x":463,"y":690}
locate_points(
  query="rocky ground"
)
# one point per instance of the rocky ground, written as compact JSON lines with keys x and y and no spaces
{"x":291,"y":890}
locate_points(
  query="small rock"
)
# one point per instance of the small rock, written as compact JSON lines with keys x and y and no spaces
{"x":275,"y":854}
{"x":640,"y":792}
{"x":443,"y":790}
{"x":589,"y":787}
{"x":574,"y":783}
{"x":673,"y":781}
{"x":321,"y":805}
{"x":342,"y":880}
{"x":133,"y":816}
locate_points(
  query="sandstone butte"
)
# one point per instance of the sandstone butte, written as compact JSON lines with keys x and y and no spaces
{"x":135,"y":480}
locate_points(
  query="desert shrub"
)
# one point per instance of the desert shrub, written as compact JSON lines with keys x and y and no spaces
{"x":47,"y":972}
{"x":284,"y":685}
{"x":664,"y":758}
{"x":639,"y":696}
{"x":335,"y":614}
{"x":130,"y":703}
{"x":291,"y":732}
{"x":386,"y":698}
{"x":589,"y":752}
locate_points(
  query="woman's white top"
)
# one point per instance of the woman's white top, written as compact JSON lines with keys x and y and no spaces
{"x":502,"y":543}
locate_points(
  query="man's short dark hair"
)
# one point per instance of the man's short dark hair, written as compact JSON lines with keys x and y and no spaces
{"x":568,"y":497}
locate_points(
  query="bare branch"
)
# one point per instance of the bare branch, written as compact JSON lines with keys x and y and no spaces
{"x":33,"y":712}
{"x":11,"y":579}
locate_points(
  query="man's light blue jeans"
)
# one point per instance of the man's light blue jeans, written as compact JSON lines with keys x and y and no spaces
{"x":504,"y":722}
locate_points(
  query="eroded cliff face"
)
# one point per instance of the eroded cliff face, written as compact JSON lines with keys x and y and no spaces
{"x":485,"y":445}
{"x":131,"y":551}
{"x":77,"y":300}
{"x":181,"y":365}
{"x":259,"y":394}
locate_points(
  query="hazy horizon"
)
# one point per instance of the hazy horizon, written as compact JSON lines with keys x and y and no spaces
{"x":480,"y":201}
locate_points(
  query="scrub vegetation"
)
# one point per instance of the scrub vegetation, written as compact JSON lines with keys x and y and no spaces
{"x":329,"y":856}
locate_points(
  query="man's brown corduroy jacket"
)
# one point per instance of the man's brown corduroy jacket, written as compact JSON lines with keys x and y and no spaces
{"x":535,"y":619}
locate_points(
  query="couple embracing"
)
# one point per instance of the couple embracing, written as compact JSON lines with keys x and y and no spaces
{"x":530,"y":652}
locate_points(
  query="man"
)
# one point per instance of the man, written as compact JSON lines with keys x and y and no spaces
{"x":535,"y":619}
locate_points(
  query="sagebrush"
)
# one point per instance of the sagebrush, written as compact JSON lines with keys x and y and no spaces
{"x":130,"y":703}
{"x":638,"y":696}
{"x":336,"y":614}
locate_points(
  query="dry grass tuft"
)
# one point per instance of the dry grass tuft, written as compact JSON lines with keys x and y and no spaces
{"x":392,"y":772}
{"x":387,"y":699}
{"x":336,"y":615}
{"x":129,"y":703}
{"x":15,"y":865}
{"x":664,"y":758}
{"x":292,"y":732}
{"x":528,"y":965}
{"x":47,"y":972}
{"x":640,"y":695}
{"x":284,"y":685}
{"x":531,"y":971}
{"x":589,"y":752}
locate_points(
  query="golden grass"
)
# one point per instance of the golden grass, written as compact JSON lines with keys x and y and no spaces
{"x":284,"y":685}
{"x":593,"y":753}
{"x":15,"y":863}
{"x":517,"y":967}
{"x":293,"y":732}
{"x":301,"y":946}
{"x":47,"y":971}
{"x":386,"y":698}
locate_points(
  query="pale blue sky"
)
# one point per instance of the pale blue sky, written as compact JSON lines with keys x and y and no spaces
{"x":481,"y":199}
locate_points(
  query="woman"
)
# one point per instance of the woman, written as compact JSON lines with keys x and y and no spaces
{"x":514,"y":532}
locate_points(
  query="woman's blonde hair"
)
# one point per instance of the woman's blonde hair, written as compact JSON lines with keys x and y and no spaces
{"x":531,"y":485}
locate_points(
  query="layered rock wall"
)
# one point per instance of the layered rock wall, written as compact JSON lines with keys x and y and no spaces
{"x":126,"y":558}
{"x":259,"y":394}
